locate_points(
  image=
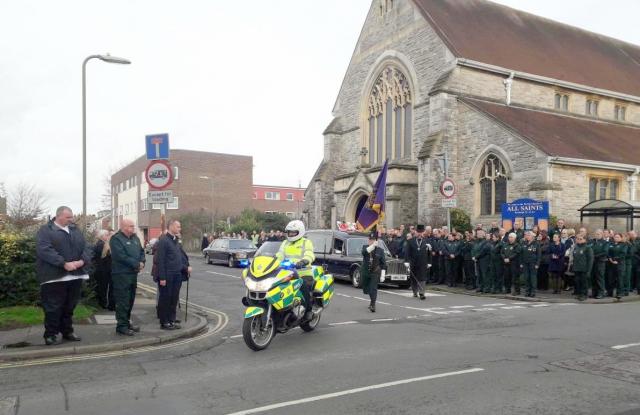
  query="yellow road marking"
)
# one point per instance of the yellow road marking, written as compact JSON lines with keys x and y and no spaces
{"x":223,"y":320}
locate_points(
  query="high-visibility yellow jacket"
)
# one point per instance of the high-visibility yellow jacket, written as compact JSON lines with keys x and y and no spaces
{"x":297,"y":251}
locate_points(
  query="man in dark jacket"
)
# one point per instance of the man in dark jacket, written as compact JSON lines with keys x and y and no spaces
{"x":511,"y":258}
{"x":530,"y":258}
{"x":481,"y":255}
{"x":418,"y":256}
{"x":173,"y":268}
{"x":205,"y":242}
{"x":127,"y":260}
{"x":62,"y":262}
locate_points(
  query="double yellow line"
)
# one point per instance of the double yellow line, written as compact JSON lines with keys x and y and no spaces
{"x":222,"y":322}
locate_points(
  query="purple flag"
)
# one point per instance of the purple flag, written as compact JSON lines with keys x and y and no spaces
{"x":373,"y":211}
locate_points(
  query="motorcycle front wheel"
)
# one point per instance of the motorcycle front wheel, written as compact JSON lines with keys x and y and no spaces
{"x":256,"y":336}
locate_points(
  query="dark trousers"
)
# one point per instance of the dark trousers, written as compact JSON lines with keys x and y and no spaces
{"x":469,"y":274}
{"x":512,"y":276}
{"x":556,"y":281}
{"x":450,"y":271}
{"x":442,"y":270}
{"x":581,"y":278}
{"x":417,"y":286}
{"x":434,"y":271}
{"x":610,"y":278}
{"x":104,"y":290}
{"x":530,"y":278}
{"x":459,"y":269}
{"x":124,"y":294}
{"x":498,"y":276}
{"x":543,"y":277}
{"x":371,"y":287}
{"x":168,"y":299}
{"x":483,"y":276}
{"x":599,"y":274}
{"x":620,"y":273}
{"x":59,"y":299}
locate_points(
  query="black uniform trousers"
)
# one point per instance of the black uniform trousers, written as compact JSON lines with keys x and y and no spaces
{"x":59,"y":299}
{"x":168,"y":300}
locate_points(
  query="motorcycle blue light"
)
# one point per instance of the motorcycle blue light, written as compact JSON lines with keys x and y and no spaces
{"x":243,"y":263}
{"x":286,"y":264}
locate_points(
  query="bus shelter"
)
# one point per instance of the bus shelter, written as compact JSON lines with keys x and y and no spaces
{"x":611,"y":208}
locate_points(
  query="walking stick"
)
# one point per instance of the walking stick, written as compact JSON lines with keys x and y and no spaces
{"x":186,"y":302}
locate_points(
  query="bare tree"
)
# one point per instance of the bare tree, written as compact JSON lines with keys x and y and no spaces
{"x":25,"y":205}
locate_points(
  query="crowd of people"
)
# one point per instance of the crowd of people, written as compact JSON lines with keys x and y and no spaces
{"x":64,"y":260}
{"x":604,"y":263}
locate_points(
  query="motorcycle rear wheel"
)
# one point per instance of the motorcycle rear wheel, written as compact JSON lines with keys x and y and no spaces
{"x":255,"y":336}
{"x":312,"y":324}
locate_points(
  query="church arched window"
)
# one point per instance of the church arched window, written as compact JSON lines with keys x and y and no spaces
{"x":390,"y":117}
{"x":493,"y":186}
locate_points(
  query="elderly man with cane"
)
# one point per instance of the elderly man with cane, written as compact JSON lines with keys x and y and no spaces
{"x":418,"y":260}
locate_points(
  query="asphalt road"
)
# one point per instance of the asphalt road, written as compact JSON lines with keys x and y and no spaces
{"x":450,"y":354}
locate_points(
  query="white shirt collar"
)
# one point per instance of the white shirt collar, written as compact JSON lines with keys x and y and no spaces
{"x":64,"y":228}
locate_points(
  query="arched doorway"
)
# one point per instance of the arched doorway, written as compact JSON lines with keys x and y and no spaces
{"x":360,"y":205}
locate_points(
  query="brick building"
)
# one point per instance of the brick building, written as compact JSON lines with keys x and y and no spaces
{"x":524,"y":107}
{"x":272,"y":199}
{"x":204,"y":182}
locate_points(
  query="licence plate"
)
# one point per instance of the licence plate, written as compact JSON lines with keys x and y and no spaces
{"x":398,"y":278}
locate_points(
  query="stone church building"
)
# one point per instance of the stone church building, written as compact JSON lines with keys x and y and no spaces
{"x":522,"y":107}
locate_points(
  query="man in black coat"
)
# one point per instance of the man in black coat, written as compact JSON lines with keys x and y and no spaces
{"x":418,"y":256}
{"x":205,"y":242}
{"x":62,"y":262}
{"x":172,"y":269}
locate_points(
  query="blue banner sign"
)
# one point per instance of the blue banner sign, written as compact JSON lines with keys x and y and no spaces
{"x":527,"y":212}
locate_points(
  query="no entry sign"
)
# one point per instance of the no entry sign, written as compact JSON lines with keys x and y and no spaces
{"x":159,"y":174}
{"x":448,"y":188}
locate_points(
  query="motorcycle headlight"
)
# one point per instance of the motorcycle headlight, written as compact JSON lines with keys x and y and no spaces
{"x":262,"y":285}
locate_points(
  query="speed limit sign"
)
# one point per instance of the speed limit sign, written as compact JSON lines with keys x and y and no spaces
{"x":159,"y":174}
{"x":448,"y":188}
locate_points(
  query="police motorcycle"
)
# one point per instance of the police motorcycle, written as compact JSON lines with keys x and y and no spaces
{"x":274,"y":298}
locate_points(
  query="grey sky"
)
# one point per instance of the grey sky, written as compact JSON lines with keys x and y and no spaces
{"x":248,"y":77}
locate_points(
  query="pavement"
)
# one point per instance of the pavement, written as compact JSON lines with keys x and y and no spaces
{"x":450,"y":354}
{"x":98,"y":334}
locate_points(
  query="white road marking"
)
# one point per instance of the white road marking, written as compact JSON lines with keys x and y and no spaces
{"x":415,"y":308}
{"x":382,"y":302}
{"x":625,"y":346}
{"x":520,"y":303}
{"x":461,"y":306}
{"x":433,"y":308}
{"x":493,"y":305}
{"x":344,"y":323}
{"x":567,"y":304}
{"x":362,"y":299}
{"x":236,"y":336}
{"x":353,"y":391}
{"x":513,"y":307}
{"x":343,"y":295}
{"x":224,"y":275}
{"x":383,"y":319}
{"x":484,"y":309}
{"x":409,"y":294}
{"x":541,"y":305}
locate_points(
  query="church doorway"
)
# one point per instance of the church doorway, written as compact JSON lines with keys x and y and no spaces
{"x":360,"y":205}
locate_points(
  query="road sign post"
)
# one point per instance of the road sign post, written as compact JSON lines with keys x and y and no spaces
{"x":448,"y":189}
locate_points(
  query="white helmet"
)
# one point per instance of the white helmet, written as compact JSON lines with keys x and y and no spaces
{"x":294,"y":230}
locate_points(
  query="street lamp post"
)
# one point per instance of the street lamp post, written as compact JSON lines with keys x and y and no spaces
{"x":213,"y":217}
{"x":445,"y":159}
{"x":106,"y":58}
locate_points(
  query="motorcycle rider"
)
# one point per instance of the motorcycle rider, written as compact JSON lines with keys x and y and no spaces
{"x":299,"y":250}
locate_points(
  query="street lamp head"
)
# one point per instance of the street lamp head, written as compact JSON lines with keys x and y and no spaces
{"x":114,"y":59}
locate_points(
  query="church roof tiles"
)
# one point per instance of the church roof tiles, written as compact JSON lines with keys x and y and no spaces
{"x":490,"y":33}
{"x":567,"y":136}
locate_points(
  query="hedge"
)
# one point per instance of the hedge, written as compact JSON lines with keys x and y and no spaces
{"x":18,"y":281}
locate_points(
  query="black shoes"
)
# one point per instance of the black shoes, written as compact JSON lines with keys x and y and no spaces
{"x":51,"y":340}
{"x":125,"y":332}
{"x":135,"y":329}
{"x":177,"y":321}
{"x":415,"y":295}
{"x":71,"y":337}
{"x":422,"y":297}
{"x":372,"y":308}
{"x":169,"y":326}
